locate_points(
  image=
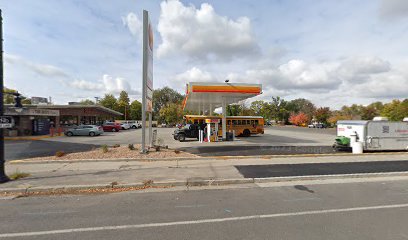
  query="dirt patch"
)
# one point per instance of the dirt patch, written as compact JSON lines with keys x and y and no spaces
{"x":115,"y":152}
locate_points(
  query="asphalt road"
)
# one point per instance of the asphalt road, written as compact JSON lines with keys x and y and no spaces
{"x":375,"y":210}
{"x":276,"y":140}
{"x":311,"y":169}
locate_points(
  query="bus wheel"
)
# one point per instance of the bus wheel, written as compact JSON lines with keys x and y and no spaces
{"x":246,"y":133}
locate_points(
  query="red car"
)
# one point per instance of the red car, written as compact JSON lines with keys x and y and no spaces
{"x":111,"y":127}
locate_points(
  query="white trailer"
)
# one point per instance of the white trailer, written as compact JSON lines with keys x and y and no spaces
{"x":374,"y":135}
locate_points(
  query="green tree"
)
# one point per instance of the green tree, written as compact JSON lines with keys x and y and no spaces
{"x":278,"y":109}
{"x":395,"y":110}
{"x":164,"y":97}
{"x":171,"y":113}
{"x":123,"y":104}
{"x":109,"y":101}
{"x":301,"y":105}
{"x":87,"y":102}
{"x":322,"y":114}
{"x":234,"y":110}
{"x":136,"y":110}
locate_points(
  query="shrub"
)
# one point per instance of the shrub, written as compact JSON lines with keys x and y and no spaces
{"x":60,"y":153}
{"x":131,"y":147}
{"x":176,"y":151}
{"x":116,"y":145}
{"x":105,"y":148}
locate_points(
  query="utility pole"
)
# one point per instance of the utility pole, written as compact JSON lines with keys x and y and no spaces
{"x":3,"y":176}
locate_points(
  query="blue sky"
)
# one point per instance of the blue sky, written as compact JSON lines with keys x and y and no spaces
{"x":332,"y":52}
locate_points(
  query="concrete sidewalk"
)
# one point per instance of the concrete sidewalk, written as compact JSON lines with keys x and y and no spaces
{"x":71,"y":175}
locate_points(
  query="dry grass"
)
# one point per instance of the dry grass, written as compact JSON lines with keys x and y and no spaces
{"x":18,"y":175}
{"x":119,"y":152}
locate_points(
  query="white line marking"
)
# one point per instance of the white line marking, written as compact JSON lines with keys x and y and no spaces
{"x":215,"y":220}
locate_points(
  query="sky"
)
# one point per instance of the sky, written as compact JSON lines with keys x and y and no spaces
{"x":333,"y":53}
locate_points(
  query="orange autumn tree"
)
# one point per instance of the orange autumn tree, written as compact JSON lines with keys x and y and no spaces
{"x":300,"y":119}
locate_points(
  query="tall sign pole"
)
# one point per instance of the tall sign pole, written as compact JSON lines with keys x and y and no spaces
{"x":147,"y":95}
{"x":3,"y":177}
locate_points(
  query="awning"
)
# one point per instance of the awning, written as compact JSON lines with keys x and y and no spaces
{"x":202,"y":96}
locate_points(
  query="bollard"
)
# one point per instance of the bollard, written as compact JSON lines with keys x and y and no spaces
{"x":52,"y":131}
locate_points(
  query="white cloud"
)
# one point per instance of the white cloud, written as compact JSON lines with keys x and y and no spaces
{"x":132,"y":22}
{"x":393,"y":9}
{"x":293,"y":75}
{"x":360,"y":69}
{"x":107,"y":84}
{"x":45,"y":70}
{"x":202,"y":33}
{"x":192,"y":75}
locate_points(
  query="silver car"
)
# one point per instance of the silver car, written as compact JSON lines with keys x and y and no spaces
{"x":84,"y":130}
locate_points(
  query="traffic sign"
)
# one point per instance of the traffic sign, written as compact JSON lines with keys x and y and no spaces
{"x":6,"y":122}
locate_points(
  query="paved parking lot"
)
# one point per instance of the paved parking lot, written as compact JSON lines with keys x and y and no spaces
{"x":276,"y":140}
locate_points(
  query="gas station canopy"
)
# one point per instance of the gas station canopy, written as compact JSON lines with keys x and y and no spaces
{"x":202,"y":96}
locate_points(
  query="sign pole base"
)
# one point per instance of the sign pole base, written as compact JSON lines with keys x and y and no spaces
{"x":4,"y":179}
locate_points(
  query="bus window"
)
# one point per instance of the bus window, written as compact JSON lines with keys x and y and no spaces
{"x":256,"y":122}
{"x":234,"y":122}
{"x":248,"y":122}
{"x":239,"y":122}
{"x":229,"y":122}
{"x":252,"y":122}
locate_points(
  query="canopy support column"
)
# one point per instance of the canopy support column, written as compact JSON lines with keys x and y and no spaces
{"x":224,"y":119}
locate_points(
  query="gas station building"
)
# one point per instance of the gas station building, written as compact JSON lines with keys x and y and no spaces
{"x":205,"y":97}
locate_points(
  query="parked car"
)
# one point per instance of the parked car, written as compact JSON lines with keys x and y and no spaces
{"x":133,"y":124}
{"x":125,"y":126}
{"x":84,"y":130}
{"x":111,"y":127}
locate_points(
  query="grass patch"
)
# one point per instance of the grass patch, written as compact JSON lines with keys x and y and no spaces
{"x":105,"y":148}
{"x":17,"y":175}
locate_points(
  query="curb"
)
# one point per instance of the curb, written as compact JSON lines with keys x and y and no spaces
{"x":37,"y":138}
{"x":195,"y":183}
{"x":201,"y":158}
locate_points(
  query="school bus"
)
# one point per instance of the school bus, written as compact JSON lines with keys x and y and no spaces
{"x":243,"y":125}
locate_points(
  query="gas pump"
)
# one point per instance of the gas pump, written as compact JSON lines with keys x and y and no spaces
{"x":212,"y":129}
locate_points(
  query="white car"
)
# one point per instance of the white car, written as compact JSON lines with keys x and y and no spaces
{"x":125,"y":126}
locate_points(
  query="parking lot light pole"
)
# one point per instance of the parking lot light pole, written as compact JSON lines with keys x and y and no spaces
{"x":3,"y":176}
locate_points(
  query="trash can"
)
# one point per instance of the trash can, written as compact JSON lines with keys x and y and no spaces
{"x":229,"y":136}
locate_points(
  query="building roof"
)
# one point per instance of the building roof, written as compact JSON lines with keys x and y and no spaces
{"x":102,"y":108}
{"x":200,"y":95}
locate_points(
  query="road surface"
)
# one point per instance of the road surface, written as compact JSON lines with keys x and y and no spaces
{"x":368,"y":210}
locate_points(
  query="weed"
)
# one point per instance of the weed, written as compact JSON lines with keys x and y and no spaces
{"x":116,"y":146}
{"x":60,"y":153}
{"x":17,"y":175}
{"x":105,"y":148}
{"x":131,"y":147}
{"x":148,"y":182}
{"x":176,"y":151}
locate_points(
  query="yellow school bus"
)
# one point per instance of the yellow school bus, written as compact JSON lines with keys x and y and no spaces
{"x":243,"y":125}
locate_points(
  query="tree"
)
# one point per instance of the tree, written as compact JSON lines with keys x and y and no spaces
{"x":278,"y":109}
{"x":300,"y":119}
{"x":395,"y":110}
{"x":322,"y":114}
{"x":9,"y":98}
{"x":301,"y":105}
{"x":87,"y":102}
{"x":135,"y":110}
{"x":109,"y":101}
{"x":163,"y":97}
{"x":123,"y":104}
{"x":171,"y":114}
{"x":234,"y":110}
